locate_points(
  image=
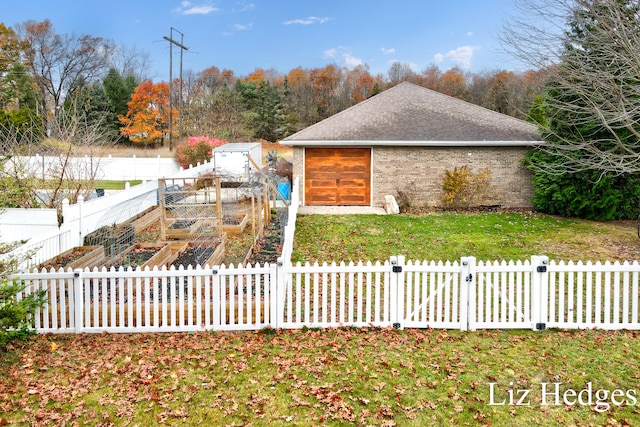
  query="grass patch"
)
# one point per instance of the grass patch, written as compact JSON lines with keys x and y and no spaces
{"x":101,"y":183}
{"x":115,"y":184}
{"x":451,"y":235}
{"x":335,"y":377}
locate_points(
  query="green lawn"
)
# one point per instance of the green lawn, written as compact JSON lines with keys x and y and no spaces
{"x":115,"y":184}
{"x":105,"y":184}
{"x":450,"y":235}
{"x":350,"y":376}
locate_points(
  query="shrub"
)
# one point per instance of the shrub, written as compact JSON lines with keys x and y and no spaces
{"x":196,"y":149}
{"x":15,"y":313}
{"x":588,"y":194}
{"x":462,"y":187}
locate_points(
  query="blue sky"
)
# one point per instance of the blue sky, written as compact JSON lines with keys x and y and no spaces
{"x":279,"y":34}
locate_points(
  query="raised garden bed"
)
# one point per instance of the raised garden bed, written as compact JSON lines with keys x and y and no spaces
{"x":145,"y":255}
{"x":78,"y":257}
{"x":235,"y":224}
{"x":203,"y":252}
{"x":114,"y":239}
{"x":182,"y":229}
{"x":144,"y":219}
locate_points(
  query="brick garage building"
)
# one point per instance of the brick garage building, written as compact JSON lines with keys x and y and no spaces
{"x":404,"y":139}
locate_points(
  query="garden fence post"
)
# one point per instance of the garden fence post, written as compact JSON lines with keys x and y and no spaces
{"x":468,"y":294}
{"x":216,"y":297}
{"x":66,"y":238}
{"x":80,"y":215}
{"x":396,"y":291}
{"x":78,"y":301}
{"x":277,"y":293}
{"x":539,"y":292}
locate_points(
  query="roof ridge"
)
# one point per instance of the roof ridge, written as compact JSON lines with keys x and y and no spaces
{"x":411,"y":112}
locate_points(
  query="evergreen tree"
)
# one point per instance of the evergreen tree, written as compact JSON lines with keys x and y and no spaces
{"x":589,"y":116}
{"x":118,"y":91}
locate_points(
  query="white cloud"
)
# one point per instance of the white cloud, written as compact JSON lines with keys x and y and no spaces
{"x":329,"y":53}
{"x":387,"y":51}
{"x":470,"y":33}
{"x":344,"y":53}
{"x":188,"y":8}
{"x":307,"y":21}
{"x":244,"y":7}
{"x":243,"y":27}
{"x":350,"y":60}
{"x":462,"y":56}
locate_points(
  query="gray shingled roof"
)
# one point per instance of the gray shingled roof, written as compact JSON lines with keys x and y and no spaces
{"x":408,"y":112}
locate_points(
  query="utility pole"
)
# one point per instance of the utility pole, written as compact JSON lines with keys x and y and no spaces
{"x":182,"y":48}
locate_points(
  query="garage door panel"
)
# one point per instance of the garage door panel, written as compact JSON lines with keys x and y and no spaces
{"x":352,"y":199}
{"x":353,"y":183}
{"x":360,"y":169}
{"x":338,"y":176}
{"x":329,"y":183}
{"x":323,"y":199}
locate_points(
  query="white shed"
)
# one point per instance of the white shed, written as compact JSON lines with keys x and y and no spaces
{"x":233,"y":158}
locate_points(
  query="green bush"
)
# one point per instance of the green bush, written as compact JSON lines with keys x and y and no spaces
{"x":15,"y":313}
{"x":587,"y":194}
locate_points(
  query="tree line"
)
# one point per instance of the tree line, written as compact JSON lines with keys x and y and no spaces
{"x":43,"y":72}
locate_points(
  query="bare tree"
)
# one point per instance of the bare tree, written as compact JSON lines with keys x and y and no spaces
{"x":400,"y":72}
{"x":131,"y":61}
{"x":591,"y":50}
{"x":65,"y":164}
{"x":62,"y":63}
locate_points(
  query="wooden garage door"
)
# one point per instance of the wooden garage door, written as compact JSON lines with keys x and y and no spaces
{"x":338,"y":176}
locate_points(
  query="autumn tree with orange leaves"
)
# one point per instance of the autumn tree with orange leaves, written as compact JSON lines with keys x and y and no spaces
{"x":147,"y":120}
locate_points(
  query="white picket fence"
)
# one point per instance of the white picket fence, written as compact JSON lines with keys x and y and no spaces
{"x":466,"y":295}
{"x":47,"y":239}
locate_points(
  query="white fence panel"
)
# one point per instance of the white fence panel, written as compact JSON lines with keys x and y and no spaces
{"x":290,"y":227}
{"x":333,"y":295}
{"x":18,"y":224}
{"x":431,"y":295}
{"x":502,"y":295}
{"x":588,"y":295}
{"x":156,"y":300}
{"x":247,"y":298}
{"x":38,"y":250}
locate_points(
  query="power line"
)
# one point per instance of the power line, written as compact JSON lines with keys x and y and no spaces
{"x":182,"y":49}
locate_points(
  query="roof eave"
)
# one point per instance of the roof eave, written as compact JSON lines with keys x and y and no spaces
{"x":369,"y":143}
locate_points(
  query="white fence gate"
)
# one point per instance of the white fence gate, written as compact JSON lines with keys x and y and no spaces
{"x":466,"y":295}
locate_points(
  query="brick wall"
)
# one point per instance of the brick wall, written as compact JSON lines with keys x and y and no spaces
{"x":419,"y":172}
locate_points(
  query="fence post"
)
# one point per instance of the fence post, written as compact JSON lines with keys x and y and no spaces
{"x":274,"y":295}
{"x":80,"y":215}
{"x":539,"y":292}
{"x":468,"y":294}
{"x":78,"y":300}
{"x":65,"y":227}
{"x":216,"y":297}
{"x":396,"y":291}
{"x":277,"y":293}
